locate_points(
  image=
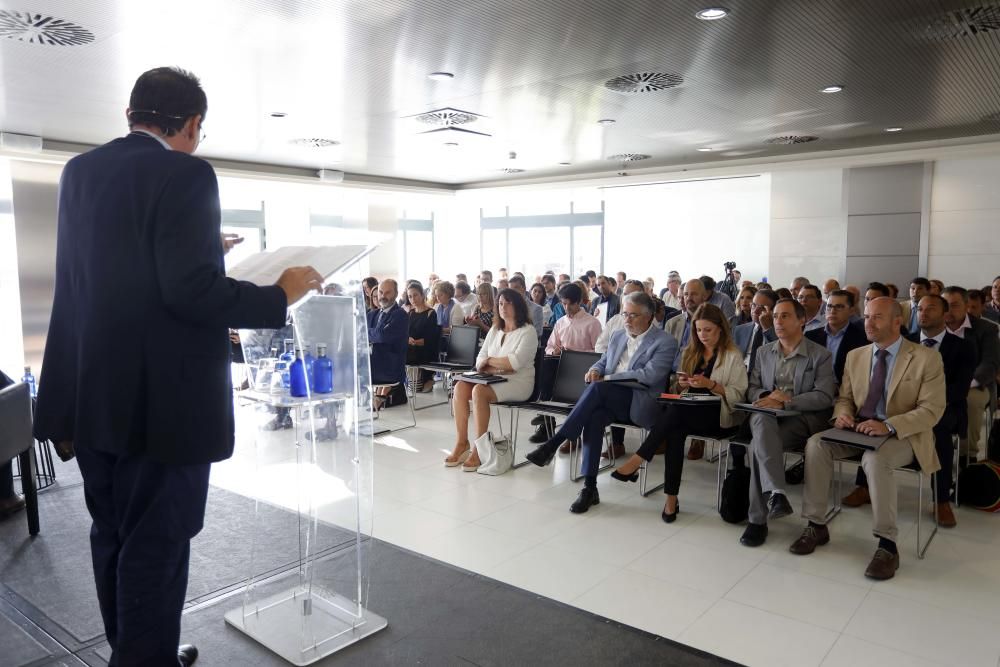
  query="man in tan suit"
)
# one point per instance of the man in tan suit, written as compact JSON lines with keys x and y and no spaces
{"x":892,"y":387}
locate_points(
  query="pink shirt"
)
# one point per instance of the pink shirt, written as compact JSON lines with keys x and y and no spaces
{"x":578,"y":333}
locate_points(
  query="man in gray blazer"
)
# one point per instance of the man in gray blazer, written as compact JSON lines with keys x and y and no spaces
{"x":750,"y":336}
{"x":640,"y":355}
{"x":793,"y":374}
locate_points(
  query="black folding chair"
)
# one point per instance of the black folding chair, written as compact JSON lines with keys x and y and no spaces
{"x":16,"y":441}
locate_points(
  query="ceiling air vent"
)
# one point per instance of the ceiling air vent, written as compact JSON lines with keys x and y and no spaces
{"x":628,"y":157}
{"x":512,"y":170}
{"x":790,"y":139}
{"x":966,"y":22}
{"x":42,"y":29}
{"x":315,"y":142}
{"x":447,"y":117}
{"x":643,"y":82}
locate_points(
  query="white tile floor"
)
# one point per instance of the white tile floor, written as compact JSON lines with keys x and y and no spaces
{"x":690,"y":581}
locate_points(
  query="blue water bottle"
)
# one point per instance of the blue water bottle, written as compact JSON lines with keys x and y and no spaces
{"x":310,"y":366}
{"x":29,"y":380}
{"x":285,"y":361}
{"x":323,"y":371}
{"x":297,"y":376}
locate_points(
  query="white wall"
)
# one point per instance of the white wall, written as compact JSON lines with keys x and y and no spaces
{"x":808,"y":225}
{"x":692,"y":227}
{"x":964,"y":246}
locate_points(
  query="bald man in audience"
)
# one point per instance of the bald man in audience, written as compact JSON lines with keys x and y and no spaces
{"x":797,"y":284}
{"x":679,"y":327}
{"x":858,"y":304}
{"x":829,"y":287}
{"x":892,"y":388}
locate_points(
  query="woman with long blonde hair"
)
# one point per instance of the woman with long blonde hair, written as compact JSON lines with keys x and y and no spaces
{"x":711,"y":365}
{"x":482,"y":316}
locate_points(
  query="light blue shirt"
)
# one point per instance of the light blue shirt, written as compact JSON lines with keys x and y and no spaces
{"x":890,"y":363}
{"x":833,"y":340}
{"x":914,"y":325}
{"x":817,"y":322}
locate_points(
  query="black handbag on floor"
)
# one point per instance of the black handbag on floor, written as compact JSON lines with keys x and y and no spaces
{"x":735,"y":506}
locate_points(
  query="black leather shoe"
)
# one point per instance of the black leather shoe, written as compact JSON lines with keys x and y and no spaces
{"x":670,"y":518}
{"x":754,"y":535}
{"x":537,"y":421}
{"x":796,"y":473}
{"x":542,"y":456}
{"x":540,"y":435}
{"x":778,"y":506}
{"x":187,"y":654}
{"x":634,"y":477}
{"x":588,"y":496}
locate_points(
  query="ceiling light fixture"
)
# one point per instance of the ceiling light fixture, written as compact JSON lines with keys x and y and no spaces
{"x":440,"y":76}
{"x":712,"y":13}
{"x":451,"y":144}
{"x":565,"y":164}
{"x":835,"y":88}
{"x":705,"y":150}
{"x":278,"y":114}
{"x":606,"y":121}
{"x":893,"y":129}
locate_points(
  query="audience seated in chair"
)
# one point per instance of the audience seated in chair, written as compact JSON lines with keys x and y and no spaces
{"x":744,"y":307}
{"x":840,"y":335}
{"x":509,"y":350}
{"x":535,"y":312}
{"x":549,"y":283}
{"x":797,"y":284}
{"x":710,"y":364}
{"x":919,"y":288}
{"x":640,"y":353}
{"x":449,"y":312}
{"x":983,"y":387}
{"x":812,"y":301}
{"x":465,"y":297}
{"x":424,"y":337}
{"x":749,"y":337}
{"x":540,"y":298}
{"x":671,"y":294}
{"x":388,"y":332}
{"x":991,"y":310}
{"x":718,"y":298}
{"x":893,"y":388}
{"x":679,"y":327}
{"x":606,"y":301}
{"x":484,"y":313}
{"x":792,"y":374}
{"x":959,"y":358}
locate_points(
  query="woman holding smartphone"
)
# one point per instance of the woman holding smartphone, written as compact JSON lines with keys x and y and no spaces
{"x":711,"y":364}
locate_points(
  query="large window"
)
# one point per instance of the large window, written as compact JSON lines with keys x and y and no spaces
{"x":417,"y":238}
{"x":533,"y":244}
{"x":248,"y":223}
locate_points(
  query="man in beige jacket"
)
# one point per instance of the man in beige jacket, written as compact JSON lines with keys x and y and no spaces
{"x":892,"y":387}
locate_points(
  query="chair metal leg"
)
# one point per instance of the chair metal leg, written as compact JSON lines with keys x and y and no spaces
{"x":838,"y":493}
{"x":29,"y":489}
{"x":922,"y":546}
{"x":954,"y":469}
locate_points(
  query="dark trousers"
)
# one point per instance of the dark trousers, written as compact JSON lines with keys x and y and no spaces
{"x":6,"y":480}
{"x":145,"y":514}
{"x":674,"y":425}
{"x":943,"y":478}
{"x":600,"y":405}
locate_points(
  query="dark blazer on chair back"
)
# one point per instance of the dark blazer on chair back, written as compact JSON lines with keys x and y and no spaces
{"x":137,"y":358}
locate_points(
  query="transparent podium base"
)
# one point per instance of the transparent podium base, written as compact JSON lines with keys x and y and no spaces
{"x":281,"y":621}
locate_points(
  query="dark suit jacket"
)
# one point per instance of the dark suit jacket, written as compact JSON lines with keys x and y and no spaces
{"x":854,"y":337}
{"x":984,"y":335}
{"x":137,"y":358}
{"x":959,"y":358}
{"x":389,"y":337}
{"x":743,"y":337}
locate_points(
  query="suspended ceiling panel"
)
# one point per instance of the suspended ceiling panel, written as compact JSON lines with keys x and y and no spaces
{"x":533,"y":72}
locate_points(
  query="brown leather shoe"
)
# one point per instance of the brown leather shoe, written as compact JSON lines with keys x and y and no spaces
{"x":810,"y":538}
{"x":883,"y":565}
{"x":696,"y":450}
{"x":618,"y":449}
{"x":567,"y":447}
{"x":945,"y":517}
{"x":858,"y":497}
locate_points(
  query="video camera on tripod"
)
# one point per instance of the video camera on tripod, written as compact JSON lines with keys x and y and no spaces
{"x":728,"y":286}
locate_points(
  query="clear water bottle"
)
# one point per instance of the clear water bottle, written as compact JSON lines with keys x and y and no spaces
{"x":297,"y":376}
{"x":323,"y":371}
{"x":29,"y":380}
{"x":288,"y":356}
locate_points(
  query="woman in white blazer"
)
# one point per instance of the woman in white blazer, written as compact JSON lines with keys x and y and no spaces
{"x":711,"y":364}
{"x":509,"y":350}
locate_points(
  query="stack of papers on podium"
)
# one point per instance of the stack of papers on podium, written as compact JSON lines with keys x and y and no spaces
{"x":265,"y":268}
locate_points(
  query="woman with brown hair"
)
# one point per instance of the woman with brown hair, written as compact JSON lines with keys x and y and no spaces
{"x":744,"y":303}
{"x":710,"y":364}
{"x":424,"y":338}
{"x":586,"y":300}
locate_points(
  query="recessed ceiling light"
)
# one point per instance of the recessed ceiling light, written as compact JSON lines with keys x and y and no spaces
{"x":451,"y":144}
{"x":835,"y":88}
{"x":565,"y":164}
{"x":705,"y":150}
{"x":440,"y":76}
{"x":278,"y":114}
{"x":606,"y":121}
{"x":712,"y":13}
{"x":893,"y":129}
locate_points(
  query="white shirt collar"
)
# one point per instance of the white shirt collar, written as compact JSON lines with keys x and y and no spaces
{"x":155,"y":136}
{"x":638,"y":339}
{"x":960,"y":332}
{"x":939,"y":338}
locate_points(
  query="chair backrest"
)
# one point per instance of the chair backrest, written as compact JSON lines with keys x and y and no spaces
{"x":15,"y":420}
{"x":573,"y":367}
{"x":463,"y":345}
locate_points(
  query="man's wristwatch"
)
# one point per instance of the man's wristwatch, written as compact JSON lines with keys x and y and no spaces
{"x":892,"y":431}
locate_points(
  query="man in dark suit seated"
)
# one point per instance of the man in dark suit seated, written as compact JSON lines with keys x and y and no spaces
{"x":136,"y":372}
{"x":750,"y":336}
{"x":982,"y":389}
{"x":959,"y":358}
{"x":840,"y":335}
{"x":792,"y":373}
{"x":640,"y":353}
{"x":388,"y":335}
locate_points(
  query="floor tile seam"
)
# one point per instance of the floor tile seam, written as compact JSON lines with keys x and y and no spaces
{"x":36,"y":616}
{"x":788,"y":617}
{"x":690,"y":589}
{"x":866,"y":586}
{"x":572,"y":553}
{"x":949,"y":611}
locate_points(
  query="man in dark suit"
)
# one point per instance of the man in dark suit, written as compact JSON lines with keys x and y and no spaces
{"x":959,"y":358}
{"x":750,"y":336}
{"x":388,"y":334}
{"x":136,"y":372}
{"x":983,"y":386}
{"x":840,"y":335}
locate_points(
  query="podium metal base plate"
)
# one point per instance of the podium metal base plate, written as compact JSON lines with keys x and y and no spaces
{"x":304,"y":628}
